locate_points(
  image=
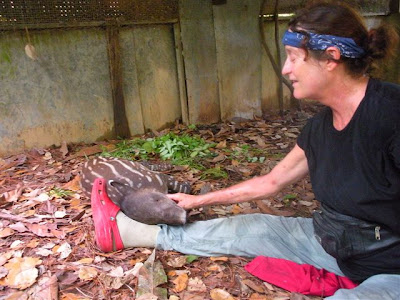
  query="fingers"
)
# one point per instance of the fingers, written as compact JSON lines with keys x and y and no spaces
{"x":176,"y":197}
{"x":183,"y":200}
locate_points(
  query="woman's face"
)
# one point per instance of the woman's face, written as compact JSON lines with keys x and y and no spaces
{"x":308,"y":77}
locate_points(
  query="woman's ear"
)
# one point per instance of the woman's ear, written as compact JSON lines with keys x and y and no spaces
{"x":333,"y":54}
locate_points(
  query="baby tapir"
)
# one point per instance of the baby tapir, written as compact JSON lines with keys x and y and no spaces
{"x":137,"y":190}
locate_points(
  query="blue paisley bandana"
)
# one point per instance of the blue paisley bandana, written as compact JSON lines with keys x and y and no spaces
{"x":347,"y":46}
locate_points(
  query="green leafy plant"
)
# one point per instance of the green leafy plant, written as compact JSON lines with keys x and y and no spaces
{"x":179,"y":149}
{"x":214,"y":173}
{"x":288,"y":198}
{"x":191,"y":258}
{"x":131,"y":149}
{"x":60,"y":193}
{"x":246,"y":153}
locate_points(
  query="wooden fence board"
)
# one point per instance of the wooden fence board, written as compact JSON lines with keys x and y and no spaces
{"x":157,"y":75}
{"x":197,"y":30}
{"x":130,"y":83}
{"x":270,"y":101}
{"x":239,"y":58}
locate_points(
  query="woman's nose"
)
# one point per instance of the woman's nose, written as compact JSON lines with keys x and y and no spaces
{"x":286,"y":67}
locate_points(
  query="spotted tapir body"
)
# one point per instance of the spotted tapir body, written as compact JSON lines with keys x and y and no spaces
{"x":137,"y":190}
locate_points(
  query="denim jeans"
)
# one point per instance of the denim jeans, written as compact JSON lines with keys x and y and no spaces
{"x":281,"y":237}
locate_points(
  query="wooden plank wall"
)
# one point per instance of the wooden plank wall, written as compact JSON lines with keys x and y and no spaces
{"x":238,"y":58}
{"x":157,"y":75}
{"x":223,"y":58}
{"x":269,"y":79}
{"x":200,"y":58}
{"x":133,"y":105}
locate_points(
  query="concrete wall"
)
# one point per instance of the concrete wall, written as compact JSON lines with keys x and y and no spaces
{"x":64,"y":95}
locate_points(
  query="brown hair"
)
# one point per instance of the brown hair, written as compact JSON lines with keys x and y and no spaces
{"x":340,"y":19}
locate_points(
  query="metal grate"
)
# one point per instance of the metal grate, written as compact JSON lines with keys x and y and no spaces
{"x":50,"y":13}
{"x":367,"y":7}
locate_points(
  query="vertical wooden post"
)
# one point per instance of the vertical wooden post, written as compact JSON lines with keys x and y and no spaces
{"x":181,"y":73}
{"x":121,"y":125}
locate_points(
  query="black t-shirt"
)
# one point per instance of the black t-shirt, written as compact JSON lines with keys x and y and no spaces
{"x":356,"y":171}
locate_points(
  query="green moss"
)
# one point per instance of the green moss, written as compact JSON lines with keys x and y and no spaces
{"x":5,"y":56}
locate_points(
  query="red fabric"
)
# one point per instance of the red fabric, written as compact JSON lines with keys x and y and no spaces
{"x":304,"y":279}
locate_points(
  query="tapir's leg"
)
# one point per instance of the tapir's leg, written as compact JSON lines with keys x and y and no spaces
{"x":176,"y":186}
{"x":172,"y":184}
{"x":157,"y":167}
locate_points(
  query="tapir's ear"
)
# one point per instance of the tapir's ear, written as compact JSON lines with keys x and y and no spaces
{"x":121,"y":187}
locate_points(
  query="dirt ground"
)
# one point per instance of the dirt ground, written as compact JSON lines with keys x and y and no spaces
{"x":47,"y":242}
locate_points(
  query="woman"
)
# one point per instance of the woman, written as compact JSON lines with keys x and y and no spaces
{"x":351,"y":151}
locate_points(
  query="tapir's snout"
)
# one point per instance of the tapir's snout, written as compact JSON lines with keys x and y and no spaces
{"x":170,"y":212}
{"x":175,"y":215}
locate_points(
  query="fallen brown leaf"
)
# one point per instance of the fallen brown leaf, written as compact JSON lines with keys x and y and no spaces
{"x":219,"y":158}
{"x":21,"y":272}
{"x":177,"y":262}
{"x":45,"y":289}
{"x":71,"y":296}
{"x":219,"y":294}
{"x":14,"y":195}
{"x":4,"y":257}
{"x":40,"y":230}
{"x":110,"y":282}
{"x":221,"y":145}
{"x":215,"y":268}
{"x":87,"y":260}
{"x":88,"y":273}
{"x":257,"y":296}
{"x":185,"y":295}
{"x":74,"y":184}
{"x":236,"y":209}
{"x":196,"y":285}
{"x":219,"y":258}
{"x":181,"y":282}
{"x":33,"y":243}
{"x":5,"y":232}
{"x":87,"y":151}
{"x":3,"y":272}
{"x":17,"y":296}
{"x":19,"y":226}
{"x":253,"y":286}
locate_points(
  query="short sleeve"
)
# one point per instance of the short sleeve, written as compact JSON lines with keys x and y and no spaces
{"x":304,"y":136}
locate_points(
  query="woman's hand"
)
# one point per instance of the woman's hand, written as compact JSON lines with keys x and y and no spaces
{"x":184,"y":200}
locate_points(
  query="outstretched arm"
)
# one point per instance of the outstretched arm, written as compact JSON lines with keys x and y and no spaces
{"x":291,"y":169}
